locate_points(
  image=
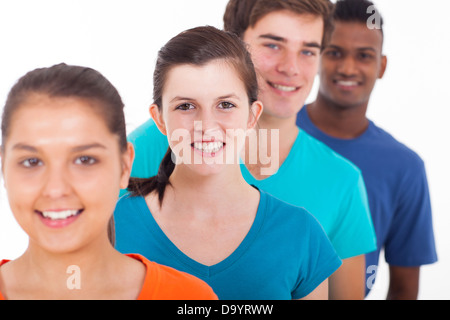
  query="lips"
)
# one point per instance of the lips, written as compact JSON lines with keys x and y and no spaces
{"x":210,"y":147}
{"x":347,"y":84}
{"x":59,"y":218}
{"x":283,"y":87}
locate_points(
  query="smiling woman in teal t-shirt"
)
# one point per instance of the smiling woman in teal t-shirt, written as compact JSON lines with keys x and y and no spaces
{"x":198,"y":213}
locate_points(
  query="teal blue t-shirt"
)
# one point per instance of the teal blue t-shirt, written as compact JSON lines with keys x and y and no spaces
{"x":330,"y":187}
{"x":285,"y":255}
{"x":313,"y":176}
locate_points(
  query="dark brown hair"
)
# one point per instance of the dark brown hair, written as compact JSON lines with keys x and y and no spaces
{"x":242,"y":14}
{"x":70,"y":81}
{"x":197,"y":46}
{"x":356,"y":11}
{"x":63,"y":80}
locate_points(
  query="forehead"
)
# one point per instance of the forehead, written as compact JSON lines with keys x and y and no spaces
{"x":40,"y":115}
{"x":213,"y":78}
{"x":356,"y":35}
{"x":41,"y":104}
{"x":292,"y":26}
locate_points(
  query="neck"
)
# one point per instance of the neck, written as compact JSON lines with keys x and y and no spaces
{"x":338,"y":121}
{"x":274,"y":139}
{"x":206,"y":194}
{"x":55,"y":269}
{"x":286,"y":127}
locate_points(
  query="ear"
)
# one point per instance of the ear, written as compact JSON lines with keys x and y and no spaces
{"x":1,"y":159}
{"x":157,"y":118}
{"x":127,"y":164}
{"x":2,"y":162}
{"x":256,"y":110}
{"x":382,"y":67}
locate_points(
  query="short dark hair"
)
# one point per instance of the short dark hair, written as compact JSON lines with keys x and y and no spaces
{"x":241,"y":14}
{"x":237,"y":16}
{"x":356,"y":11}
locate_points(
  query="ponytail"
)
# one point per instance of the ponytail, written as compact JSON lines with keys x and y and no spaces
{"x":144,"y":186}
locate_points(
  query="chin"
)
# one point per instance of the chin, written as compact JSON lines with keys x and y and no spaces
{"x":282,"y":109}
{"x":282,"y":113}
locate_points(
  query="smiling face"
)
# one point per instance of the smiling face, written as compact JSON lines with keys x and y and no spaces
{"x":351,"y":64}
{"x":62,"y":171}
{"x":285,"y":49}
{"x":203,"y":108}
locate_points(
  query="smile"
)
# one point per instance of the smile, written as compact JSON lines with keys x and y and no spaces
{"x":346,"y":83}
{"x":208,"y":147}
{"x":59,"y":215}
{"x":283,"y":87}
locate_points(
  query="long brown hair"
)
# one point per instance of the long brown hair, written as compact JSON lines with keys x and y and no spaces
{"x":197,"y":46}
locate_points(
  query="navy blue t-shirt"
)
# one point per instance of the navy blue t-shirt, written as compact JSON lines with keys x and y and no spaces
{"x":398,"y":194}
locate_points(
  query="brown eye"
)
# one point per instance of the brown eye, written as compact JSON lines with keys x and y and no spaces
{"x":185,"y":107}
{"x":226,"y":105}
{"x":32,"y":162}
{"x":85,"y":160}
{"x":333,"y":54}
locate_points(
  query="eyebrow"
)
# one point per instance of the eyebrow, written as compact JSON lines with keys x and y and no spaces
{"x":226,"y":96}
{"x":359,"y":49}
{"x":25,"y":147}
{"x":181,"y":98}
{"x":88,"y":146}
{"x":312,"y":44}
{"x":272,"y":37}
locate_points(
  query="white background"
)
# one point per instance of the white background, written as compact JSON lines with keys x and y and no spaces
{"x":121,"y":40}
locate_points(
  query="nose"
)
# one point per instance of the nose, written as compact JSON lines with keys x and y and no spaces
{"x":289,"y":64}
{"x":347,"y":67}
{"x":56,"y":183}
{"x":206,"y":123}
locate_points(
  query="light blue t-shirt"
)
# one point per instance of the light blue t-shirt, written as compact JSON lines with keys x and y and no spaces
{"x":328,"y":186}
{"x":313,"y":176}
{"x":285,"y":255}
{"x":150,"y":146}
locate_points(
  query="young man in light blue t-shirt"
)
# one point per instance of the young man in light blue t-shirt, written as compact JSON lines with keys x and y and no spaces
{"x":285,"y":43}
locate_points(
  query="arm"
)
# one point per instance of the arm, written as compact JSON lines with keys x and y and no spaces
{"x":347,"y":283}
{"x":410,"y":242}
{"x":403,"y":283}
{"x":319,"y":293}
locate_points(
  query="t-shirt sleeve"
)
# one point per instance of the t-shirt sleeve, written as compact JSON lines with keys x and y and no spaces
{"x":354,"y":233}
{"x":320,"y":262}
{"x":410,"y":241}
{"x":150,"y":146}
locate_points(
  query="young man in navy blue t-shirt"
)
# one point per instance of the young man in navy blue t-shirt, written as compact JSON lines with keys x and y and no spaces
{"x":395,"y":175}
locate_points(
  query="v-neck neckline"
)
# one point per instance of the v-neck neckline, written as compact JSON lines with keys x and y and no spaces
{"x":194,"y":266}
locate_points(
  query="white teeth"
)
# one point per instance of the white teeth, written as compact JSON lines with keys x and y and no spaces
{"x":59,"y":215}
{"x":208,"y":147}
{"x":283,"y":88}
{"x":348,"y":83}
